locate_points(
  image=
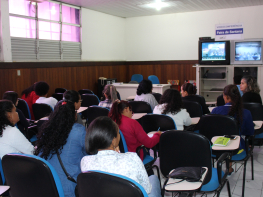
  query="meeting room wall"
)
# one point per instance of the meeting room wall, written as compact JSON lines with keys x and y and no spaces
{"x":175,"y":36}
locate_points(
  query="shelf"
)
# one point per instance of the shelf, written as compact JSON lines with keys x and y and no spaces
{"x":212,"y":79}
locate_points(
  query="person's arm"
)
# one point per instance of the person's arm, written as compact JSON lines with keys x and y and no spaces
{"x":20,"y":142}
{"x":141,"y":174}
{"x":22,"y":119}
{"x":247,"y":125}
{"x":143,"y":138}
{"x":187,"y":119}
{"x":82,"y":140}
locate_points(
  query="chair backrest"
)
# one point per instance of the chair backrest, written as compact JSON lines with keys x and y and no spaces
{"x":140,"y":107}
{"x":23,"y":106}
{"x":60,"y":90}
{"x":2,"y":177}
{"x":217,"y":125}
{"x":96,"y":111}
{"x":255,"y":109}
{"x":31,"y":176}
{"x":122,"y":144}
{"x":154,"y":79}
{"x":85,"y":91}
{"x":157,"y":96}
{"x":41,"y":110}
{"x":153,"y":122}
{"x":88,"y":100}
{"x":184,"y":149}
{"x":103,"y":184}
{"x":220,"y":100}
{"x":58,"y":96}
{"x":193,"y":108}
{"x":137,"y":77}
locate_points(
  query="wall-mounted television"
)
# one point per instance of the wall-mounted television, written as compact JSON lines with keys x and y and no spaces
{"x":214,"y":52}
{"x":247,"y":51}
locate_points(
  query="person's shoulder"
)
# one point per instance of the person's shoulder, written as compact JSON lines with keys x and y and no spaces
{"x":130,"y":155}
{"x":79,"y":127}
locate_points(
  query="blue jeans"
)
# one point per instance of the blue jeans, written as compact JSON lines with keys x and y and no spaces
{"x":156,"y":190}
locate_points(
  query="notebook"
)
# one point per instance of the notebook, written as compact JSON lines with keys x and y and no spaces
{"x":221,"y":141}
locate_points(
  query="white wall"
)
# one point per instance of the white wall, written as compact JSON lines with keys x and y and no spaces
{"x":175,"y":36}
{"x":103,"y":36}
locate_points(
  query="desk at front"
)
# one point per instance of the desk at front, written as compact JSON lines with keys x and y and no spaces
{"x":127,"y":90}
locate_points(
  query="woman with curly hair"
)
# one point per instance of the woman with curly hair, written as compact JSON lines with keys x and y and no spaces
{"x":171,"y":105}
{"x":11,"y":139}
{"x":62,"y":135}
{"x":188,"y":92}
{"x":234,"y":107}
{"x":144,"y":93}
{"x":121,"y":113}
{"x":249,"y":87}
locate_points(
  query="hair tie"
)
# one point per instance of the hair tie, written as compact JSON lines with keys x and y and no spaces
{"x":64,"y":103}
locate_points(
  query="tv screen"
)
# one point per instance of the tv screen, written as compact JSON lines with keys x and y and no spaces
{"x":214,"y":52}
{"x":248,"y":51}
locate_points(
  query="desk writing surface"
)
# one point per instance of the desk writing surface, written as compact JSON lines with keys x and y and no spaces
{"x":3,"y":188}
{"x":211,"y":108}
{"x":136,"y":116}
{"x":258,"y":124}
{"x":185,"y":185}
{"x":195,"y":120}
{"x":81,"y":109}
{"x":232,"y":145}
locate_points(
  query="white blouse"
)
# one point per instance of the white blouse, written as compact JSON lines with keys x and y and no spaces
{"x":181,"y":118}
{"x":13,"y":141}
{"x":126,"y":164}
{"x":149,"y":98}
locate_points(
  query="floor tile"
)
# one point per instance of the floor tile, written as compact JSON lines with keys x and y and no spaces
{"x":248,"y":192}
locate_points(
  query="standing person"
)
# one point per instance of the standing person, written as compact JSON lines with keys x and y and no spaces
{"x":102,"y":141}
{"x":30,"y":97}
{"x":41,"y":89}
{"x":144,"y":93}
{"x":250,"y":88}
{"x":11,"y":139}
{"x":62,"y":135}
{"x":121,"y":113}
{"x":110,"y":94}
{"x":188,"y":92}
{"x":22,"y":124}
{"x":171,"y":105}
{"x":234,"y":107}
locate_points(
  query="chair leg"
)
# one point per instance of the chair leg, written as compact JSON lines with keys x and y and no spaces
{"x":244,"y":179}
{"x":252,"y":166}
{"x":228,"y":188}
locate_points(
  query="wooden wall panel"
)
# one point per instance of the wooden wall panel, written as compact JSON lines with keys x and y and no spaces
{"x":84,"y":75}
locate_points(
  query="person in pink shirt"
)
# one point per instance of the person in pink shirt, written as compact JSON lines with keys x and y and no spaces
{"x":121,"y":113}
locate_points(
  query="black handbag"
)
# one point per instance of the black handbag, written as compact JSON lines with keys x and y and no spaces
{"x":190,"y":174}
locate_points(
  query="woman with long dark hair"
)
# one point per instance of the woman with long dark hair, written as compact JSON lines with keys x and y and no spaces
{"x":121,"y":113}
{"x":171,"y":105}
{"x":11,"y":139}
{"x":250,"y":88}
{"x":30,"y":97}
{"x":62,"y":135}
{"x":188,"y":92}
{"x":102,"y":140}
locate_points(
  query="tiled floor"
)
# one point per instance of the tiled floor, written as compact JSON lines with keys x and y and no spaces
{"x":253,"y":188}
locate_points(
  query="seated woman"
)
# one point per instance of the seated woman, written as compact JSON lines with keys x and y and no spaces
{"x":188,"y":92}
{"x":144,"y":91}
{"x":22,"y":124}
{"x":102,"y":141}
{"x":11,"y":139}
{"x":249,"y":87}
{"x":74,"y":97}
{"x":121,"y":113}
{"x":110,"y":94}
{"x":171,"y":105}
{"x":62,"y":135}
{"x":30,"y":97}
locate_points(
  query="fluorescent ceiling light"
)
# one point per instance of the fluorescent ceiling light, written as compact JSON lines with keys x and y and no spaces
{"x":158,"y":4}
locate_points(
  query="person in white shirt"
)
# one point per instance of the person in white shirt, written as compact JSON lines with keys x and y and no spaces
{"x":144,"y":93}
{"x":41,"y":89}
{"x":102,"y":145}
{"x":171,"y":105}
{"x":11,"y":139}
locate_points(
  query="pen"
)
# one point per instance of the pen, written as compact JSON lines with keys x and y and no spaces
{"x":158,"y":129}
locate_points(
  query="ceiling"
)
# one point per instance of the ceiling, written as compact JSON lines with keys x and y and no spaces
{"x":134,"y":8}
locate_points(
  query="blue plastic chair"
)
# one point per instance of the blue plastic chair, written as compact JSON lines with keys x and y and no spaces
{"x":154,"y":79}
{"x":103,"y":184}
{"x":2,"y":173}
{"x":137,"y":77}
{"x":23,"y":106}
{"x":30,"y":175}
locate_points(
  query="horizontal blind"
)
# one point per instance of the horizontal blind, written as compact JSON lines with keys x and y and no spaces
{"x":23,"y":49}
{"x":49,"y":50}
{"x":71,"y":51}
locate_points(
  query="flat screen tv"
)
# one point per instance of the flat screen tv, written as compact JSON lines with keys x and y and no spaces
{"x":214,"y":52}
{"x":247,"y":51}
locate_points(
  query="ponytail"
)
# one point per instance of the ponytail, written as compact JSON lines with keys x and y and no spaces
{"x":117,"y":109}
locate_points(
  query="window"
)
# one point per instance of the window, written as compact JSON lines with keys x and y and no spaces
{"x":50,"y":28}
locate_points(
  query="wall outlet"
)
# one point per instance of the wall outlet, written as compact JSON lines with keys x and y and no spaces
{"x":18,"y":73}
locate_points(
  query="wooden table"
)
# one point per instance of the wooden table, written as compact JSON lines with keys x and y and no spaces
{"x":232,"y":145}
